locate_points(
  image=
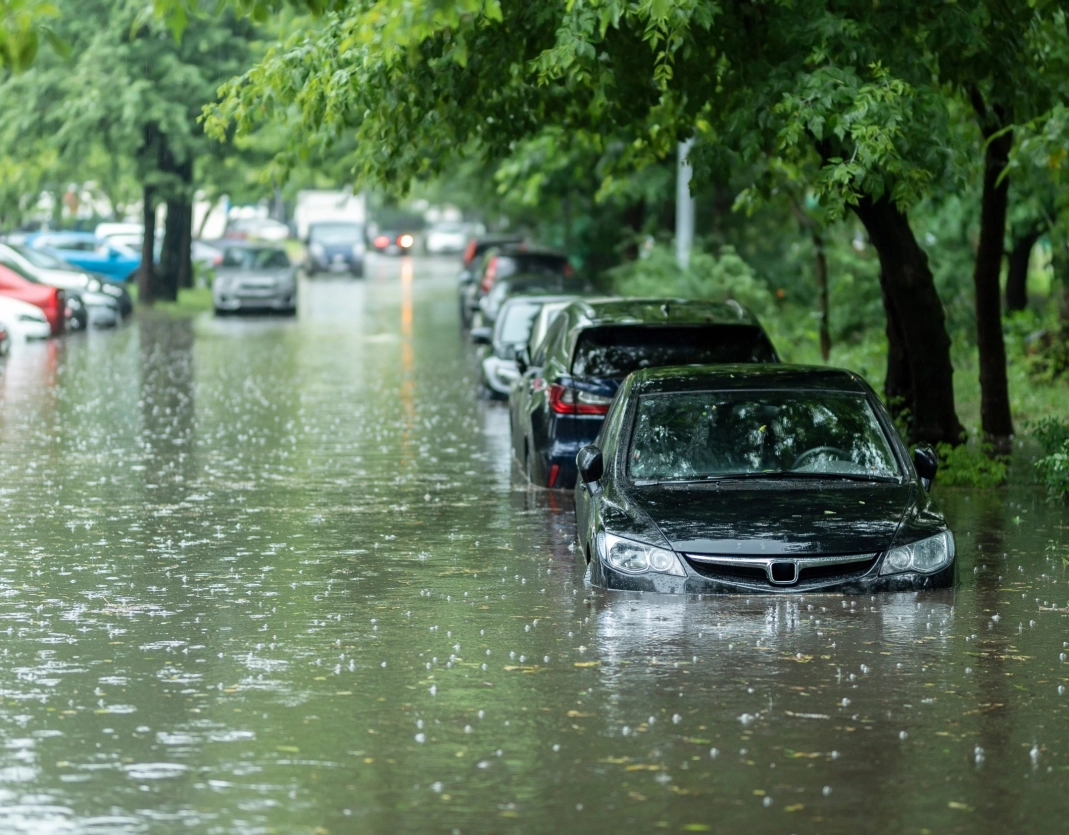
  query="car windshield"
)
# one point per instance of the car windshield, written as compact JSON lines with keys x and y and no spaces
{"x":616,"y":350}
{"x":516,"y":322}
{"x":336,"y":233}
{"x":255,"y":259}
{"x":691,"y":436}
{"x":40,"y":258}
{"x":15,"y":268}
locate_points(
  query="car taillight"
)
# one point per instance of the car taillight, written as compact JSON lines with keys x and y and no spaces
{"x":405,"y":241}
{"x":469,"y":253}
{"x":490,"y":275}
{"x":382,"y":241}
{"x":568,"y":271}
{"x":569,"y":401}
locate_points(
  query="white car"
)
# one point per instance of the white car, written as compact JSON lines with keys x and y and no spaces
{"x":22,"y":320}
{"x":443,"y":238}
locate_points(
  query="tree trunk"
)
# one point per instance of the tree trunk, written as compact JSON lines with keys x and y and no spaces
{"x":898,"y":383}
{"x":995,"y":418}
{"x":176,"y":266}
{"x":822,"y":290}
{"x":1017,"y":274}
{"x":915,"y":304}
{"x":146,"y":275}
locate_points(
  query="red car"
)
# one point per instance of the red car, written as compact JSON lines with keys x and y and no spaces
{"x":49,"y":299}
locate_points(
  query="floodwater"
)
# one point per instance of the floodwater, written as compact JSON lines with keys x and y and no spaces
{"x":274,"y":576}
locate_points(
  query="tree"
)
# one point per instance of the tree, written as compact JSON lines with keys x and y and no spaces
{"x":859,"y":93}
{"x":131,"y":88}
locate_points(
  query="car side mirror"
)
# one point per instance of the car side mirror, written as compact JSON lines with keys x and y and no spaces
{"x":926,"y":462}
{"x":481,"y":336}
{"x":590,"y":463}
{"x":113,"y":255}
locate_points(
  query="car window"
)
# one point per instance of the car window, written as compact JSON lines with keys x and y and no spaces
{"x":616,"y":350}
{"x":40,"y":258}
{"x":694,"y":435}
{"x":514,"y":324}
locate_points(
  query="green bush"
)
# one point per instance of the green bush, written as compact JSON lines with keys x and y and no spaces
{"x":970,"y":466}
{"x":1053,"y":467}
{"x":710,"y":277}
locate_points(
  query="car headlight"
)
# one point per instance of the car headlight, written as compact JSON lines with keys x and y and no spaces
{"x":633,"y":557}
{"x":317,"y":250}
{"x":925,"y":556}
{"x":358,"y":249}
{"x":93,"y":285}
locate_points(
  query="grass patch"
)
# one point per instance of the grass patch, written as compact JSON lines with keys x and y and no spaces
{"x":190,"y":302}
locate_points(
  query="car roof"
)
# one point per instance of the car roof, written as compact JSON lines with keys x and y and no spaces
{"x":66,"y":234}
{"x":513,"y":250}
{"x":542,"y":300}
{"x":747,"y":376}
{"x":658,"y":311}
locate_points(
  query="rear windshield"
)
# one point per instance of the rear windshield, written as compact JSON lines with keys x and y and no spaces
{"x":516,"y":322}
{"x":531,"y":262}
{"x":617,"y":350}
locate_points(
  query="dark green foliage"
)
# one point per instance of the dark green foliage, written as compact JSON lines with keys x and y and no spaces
{"x":1053,"y":466}
{"x":966,"y":465}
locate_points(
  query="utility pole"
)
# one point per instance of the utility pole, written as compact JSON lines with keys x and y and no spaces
{"x":684,"y":206}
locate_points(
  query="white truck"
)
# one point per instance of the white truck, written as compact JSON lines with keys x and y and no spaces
{"x":325,"y":206}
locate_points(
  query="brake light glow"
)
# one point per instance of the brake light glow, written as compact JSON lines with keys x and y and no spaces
{"x":469,"y":253}
{"x":554,"y":471}
{"x":405,"y":241}
{"x":569,"y":401}
{"x":382,"y":241}
{"x":490,"y":276}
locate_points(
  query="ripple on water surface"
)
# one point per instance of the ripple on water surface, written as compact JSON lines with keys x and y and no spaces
{"x":274,"y":575}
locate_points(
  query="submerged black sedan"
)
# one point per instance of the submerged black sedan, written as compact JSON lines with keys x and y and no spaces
{"x":757,"y":478}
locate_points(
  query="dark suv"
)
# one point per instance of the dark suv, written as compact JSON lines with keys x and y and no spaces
{"x":504,"y":261}
{"x":467,"y":283}
{"x":569,"y":380}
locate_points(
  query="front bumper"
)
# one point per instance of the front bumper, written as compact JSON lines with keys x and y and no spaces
{"x":337,"y":263}
{"x":231,"y":301}
{"x":869,"y":583}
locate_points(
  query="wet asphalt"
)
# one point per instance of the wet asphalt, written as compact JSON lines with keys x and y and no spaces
{"x":276,"y":575}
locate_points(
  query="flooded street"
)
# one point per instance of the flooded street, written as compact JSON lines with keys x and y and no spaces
{"x":272,"y":575}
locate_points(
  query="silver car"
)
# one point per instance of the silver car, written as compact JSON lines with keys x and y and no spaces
{"x":254,"y":277}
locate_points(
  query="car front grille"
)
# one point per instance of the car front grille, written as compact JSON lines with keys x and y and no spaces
{"x":789,"y":572}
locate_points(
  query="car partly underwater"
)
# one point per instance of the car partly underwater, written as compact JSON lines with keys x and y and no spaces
{"x":559,"y":403}
{"x":757,"y":478}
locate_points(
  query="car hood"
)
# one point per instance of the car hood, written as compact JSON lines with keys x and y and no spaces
{"x":776,"y":518}
{"x":246,"y":275}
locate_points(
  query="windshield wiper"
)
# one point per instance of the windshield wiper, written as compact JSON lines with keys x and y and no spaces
{"x":770,"y":475}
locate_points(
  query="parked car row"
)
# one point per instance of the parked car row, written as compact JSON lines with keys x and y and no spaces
{"x":42,"y":294}
{"x":703,"y":463}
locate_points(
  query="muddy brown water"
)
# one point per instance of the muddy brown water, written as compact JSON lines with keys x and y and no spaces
{"x":274,"y":576}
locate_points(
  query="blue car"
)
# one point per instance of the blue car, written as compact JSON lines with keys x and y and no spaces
{"x":85,"y":250}
{"x":559,"y":404}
